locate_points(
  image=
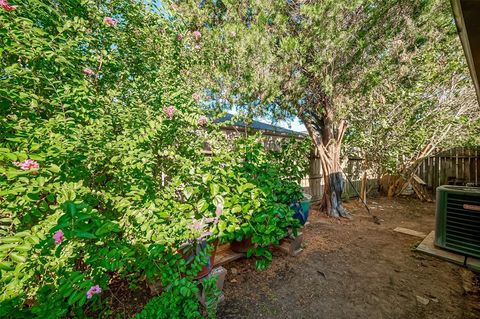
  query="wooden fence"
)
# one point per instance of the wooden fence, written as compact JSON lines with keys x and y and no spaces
{"x":353,"y":170}
{"x":455,"y":167}
{"x":458,"y":166}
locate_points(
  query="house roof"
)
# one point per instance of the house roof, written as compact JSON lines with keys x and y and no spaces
{"x":257,"y":125}
{"x":467,"y":19}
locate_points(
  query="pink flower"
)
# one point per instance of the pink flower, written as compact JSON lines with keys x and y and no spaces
{"x":169,"y":111}
{"x":4,"y":4}
{"x":179,"y":37}
{"x":219,"y":210}
{"x":205,"y":234}
{"x":94,"y":290}
{"x":202,"y":120}
{"x":88,"y":71}
{"x":110,"y":21}
{"x":58,"y":237}
{"x":196,"y":96}
{"x":218,"y":213}
{"x":197,"y":35}
{"x":196,"y":225}
{"x":27,"y":164}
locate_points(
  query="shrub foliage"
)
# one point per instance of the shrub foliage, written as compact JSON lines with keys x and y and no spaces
{"x":103,"y":175}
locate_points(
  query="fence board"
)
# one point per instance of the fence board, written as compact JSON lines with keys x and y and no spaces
{"x":456,"y":166}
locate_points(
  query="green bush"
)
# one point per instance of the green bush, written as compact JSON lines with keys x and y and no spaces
{"x":103,"y":174}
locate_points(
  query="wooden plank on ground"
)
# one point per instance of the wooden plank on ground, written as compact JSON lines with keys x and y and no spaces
{"x":410,"y":232}
{"x":225,"y":255}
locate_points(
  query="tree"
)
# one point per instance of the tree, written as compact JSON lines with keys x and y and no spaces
{"x":105,"y":184}
{"x":311,"y":59}
{"x":92,"y":111}
{"x":425,"y":102}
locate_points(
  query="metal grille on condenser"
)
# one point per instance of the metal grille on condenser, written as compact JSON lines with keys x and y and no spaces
{"x":463,"y":225}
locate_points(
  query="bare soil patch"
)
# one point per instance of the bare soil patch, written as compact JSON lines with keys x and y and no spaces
{"x":356,"y":269}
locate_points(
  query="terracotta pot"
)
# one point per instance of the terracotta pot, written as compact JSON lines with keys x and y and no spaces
{"x":241,"y":246}
{"x":209,"y":266}
{"x":189,"y":255}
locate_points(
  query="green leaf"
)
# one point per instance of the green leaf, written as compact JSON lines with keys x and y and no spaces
{"x":184,"y":291}
{"x":17,"y":258}
{"x":24,"y":233}
{"x":222,"y":225}
{"x":71,"y":208}
{"x":244,"y":187}
{"x":106,"y":228}
{"x":9,"y":240}
{"x":37,"y":157}
{"x":7,"y":247}
{"x":10,"y":156}
{"x":7,"y":266}
{"x":202,"y":205}
{"x":236,"y":209}
{"x":214,"y":188}
{"x":74,"y":297}
{"x":81,"y":234}
{"x":54,"y":168}
{"x":23,"y":248}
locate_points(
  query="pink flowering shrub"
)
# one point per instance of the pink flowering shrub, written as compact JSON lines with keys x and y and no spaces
{"x":110,"y":21}
{"x":197,"y":35}
{"x":202,"y":120}
{"x":58,"y":237}
{"x":27,"y":165}
{"x":6,"y":6}
{"x":84,"y":191}
{"x":88,"y":71}
{"x":103,"y":191}
{"x":94,"y":290}
{"x":169,"y":111}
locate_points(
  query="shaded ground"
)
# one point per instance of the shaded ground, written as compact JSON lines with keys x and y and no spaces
{"x":355,"y":269}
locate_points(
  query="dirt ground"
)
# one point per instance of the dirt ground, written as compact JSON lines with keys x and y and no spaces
{"x":355,"y":269}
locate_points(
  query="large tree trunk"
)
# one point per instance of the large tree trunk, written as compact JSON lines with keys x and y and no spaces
{"x":333,"y":181}
{"x":327,"y":138}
